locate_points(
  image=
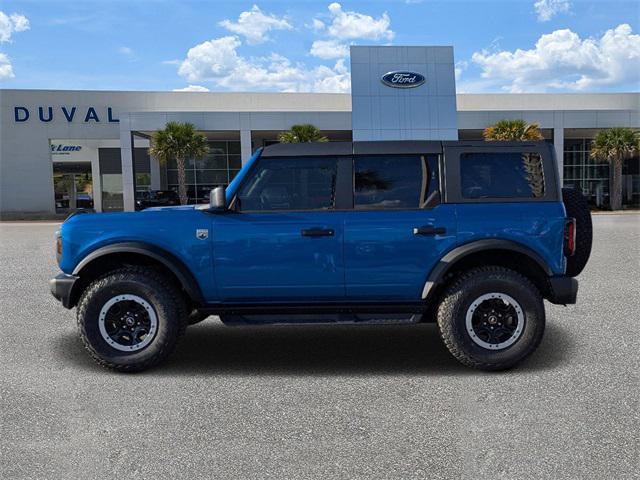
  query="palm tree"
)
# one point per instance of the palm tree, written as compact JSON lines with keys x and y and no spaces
{"x":301,"y":134}
{"x":520,"y":131}
{"x":179,"y":141}
{"x":614,"y":146}
{"x":513,"y":130}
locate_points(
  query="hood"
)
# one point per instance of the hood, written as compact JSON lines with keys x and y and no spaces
{"x":173,"y":207}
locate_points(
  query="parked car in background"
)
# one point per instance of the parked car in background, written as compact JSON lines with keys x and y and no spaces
{"x":156,"y":198}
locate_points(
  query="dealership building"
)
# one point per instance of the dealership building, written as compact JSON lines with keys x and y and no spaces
{"x":63,"y":150}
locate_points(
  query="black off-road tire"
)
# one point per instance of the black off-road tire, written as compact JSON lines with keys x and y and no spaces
{"x":576,"y":205}
{"x":148,"y":284}
{"x":458,"y":298}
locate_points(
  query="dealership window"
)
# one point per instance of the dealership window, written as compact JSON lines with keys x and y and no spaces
{"x":111,"y":179}
{"x":72,"y":186}
{"x":592,"y":176}
{"x":142,"y":169}
{"x":217,"y":168}
{"x":501,"y":175}
{"x":585,"y":174}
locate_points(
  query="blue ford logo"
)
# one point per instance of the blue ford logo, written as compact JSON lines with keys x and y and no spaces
{"x":402,"y":79}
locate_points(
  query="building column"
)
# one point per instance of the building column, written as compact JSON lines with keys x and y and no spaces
{"x":558,"y":144}
{"x":154,"y":166}
{"x":126,"y":157}
{"x":96,"y":182}
{"x":245,"y":145}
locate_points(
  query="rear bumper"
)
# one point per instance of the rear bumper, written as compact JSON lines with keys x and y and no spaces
{"x":563,"y":291}
{"x":61,"y":288}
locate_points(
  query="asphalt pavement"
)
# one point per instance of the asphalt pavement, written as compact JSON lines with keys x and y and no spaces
{"x":295,"y":402}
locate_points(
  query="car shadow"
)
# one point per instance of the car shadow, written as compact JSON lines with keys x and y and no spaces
{"x":214,"y":349}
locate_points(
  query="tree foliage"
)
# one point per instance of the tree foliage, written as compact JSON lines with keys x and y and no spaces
{"x":302,"y":134}
{"x":179,"y":141}
{"x":513,"y":130}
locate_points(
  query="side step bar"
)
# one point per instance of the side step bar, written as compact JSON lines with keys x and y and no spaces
{"x":318,"y":308}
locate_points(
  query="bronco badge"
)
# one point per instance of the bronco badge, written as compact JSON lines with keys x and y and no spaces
{"x":202,"y":233}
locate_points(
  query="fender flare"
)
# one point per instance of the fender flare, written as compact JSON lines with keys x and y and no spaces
{"x":170,"y":261}
{"x":452,"y":257}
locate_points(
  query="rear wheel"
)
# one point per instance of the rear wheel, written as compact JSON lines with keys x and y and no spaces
{"x":130,"y":319}
{"x":491,"y":318}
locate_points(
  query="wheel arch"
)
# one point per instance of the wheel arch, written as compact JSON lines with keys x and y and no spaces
{"x":505,"y":253}
{"x":111,"y":257}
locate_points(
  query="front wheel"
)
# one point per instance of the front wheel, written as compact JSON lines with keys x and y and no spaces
{"x":130,"y":319}
{"x":491,"y":318}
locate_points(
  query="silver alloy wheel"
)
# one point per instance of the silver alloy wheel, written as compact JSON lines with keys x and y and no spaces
{"x":495,"y":321}
{"x":127,"y":323}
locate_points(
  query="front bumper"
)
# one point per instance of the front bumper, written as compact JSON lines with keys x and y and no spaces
{"x":563,"y":291}
{"x":62,"y":288}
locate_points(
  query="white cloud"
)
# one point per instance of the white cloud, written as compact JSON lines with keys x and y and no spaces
{"x":218,"y":61}
{"x":317,"y":25}
{"x":127,"y":51}
{"x":6,"y":70}
{"x":192,"y":88}
{"x":345,"y":25}
{"x":547,"y":9}
{"x":460,"y":67}
{"x":561,"y":60}
{"x":328,"y":49}
{"x":351,"y":25}
{"x":255,"y":24}
{"x":10,"y":24}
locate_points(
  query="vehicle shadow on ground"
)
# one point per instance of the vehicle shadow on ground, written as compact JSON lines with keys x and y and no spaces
{"x":212,"y":348}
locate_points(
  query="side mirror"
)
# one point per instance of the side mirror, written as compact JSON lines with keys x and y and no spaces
{"x":218,"y":199}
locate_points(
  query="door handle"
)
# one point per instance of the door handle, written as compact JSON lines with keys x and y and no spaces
{"x":429,"y":230}
{"x":318,"y":232}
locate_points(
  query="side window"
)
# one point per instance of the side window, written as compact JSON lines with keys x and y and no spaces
{"x":388,"y":182}
{"x":501,"y":175}
{"x":290,"y":184}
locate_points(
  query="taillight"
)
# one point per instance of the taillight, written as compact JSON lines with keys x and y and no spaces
{"x":570,"y":237}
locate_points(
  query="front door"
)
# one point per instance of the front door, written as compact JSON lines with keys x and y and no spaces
{"x":397,"y":230}
{"x":283,"y":239}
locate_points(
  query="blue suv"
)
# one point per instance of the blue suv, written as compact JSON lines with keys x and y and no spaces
{"x":471,"y":235}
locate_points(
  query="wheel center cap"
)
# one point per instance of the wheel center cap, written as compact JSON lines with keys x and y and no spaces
{"x":493,"y":319}
{"x":129,"y":321}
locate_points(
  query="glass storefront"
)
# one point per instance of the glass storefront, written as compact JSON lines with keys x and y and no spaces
{"x":216,"y":169}
{"x":72,"y":186}
{"x":111,"y":179}
{"x":592,"y":176}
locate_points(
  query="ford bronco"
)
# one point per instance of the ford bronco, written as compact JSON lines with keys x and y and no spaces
{"x":471,"y":235}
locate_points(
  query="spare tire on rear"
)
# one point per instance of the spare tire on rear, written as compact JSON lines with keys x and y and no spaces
{"x":575,"y":203}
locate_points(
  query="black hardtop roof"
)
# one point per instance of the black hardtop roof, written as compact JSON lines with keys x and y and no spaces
{"x":378,"y":147}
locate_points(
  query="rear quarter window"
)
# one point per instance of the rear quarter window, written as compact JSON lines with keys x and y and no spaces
{"x":501,"y":175}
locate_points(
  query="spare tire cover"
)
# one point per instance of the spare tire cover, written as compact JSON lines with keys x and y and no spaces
{"x":577,"y":207}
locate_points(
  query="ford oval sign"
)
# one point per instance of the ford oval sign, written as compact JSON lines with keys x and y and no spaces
{"x":402,"y":79}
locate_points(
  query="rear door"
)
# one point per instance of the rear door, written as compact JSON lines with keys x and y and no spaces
{"x":284,"y":241}
{"x":397,"y":230}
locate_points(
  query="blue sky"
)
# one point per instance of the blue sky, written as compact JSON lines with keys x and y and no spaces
{"x":500,"y":46}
